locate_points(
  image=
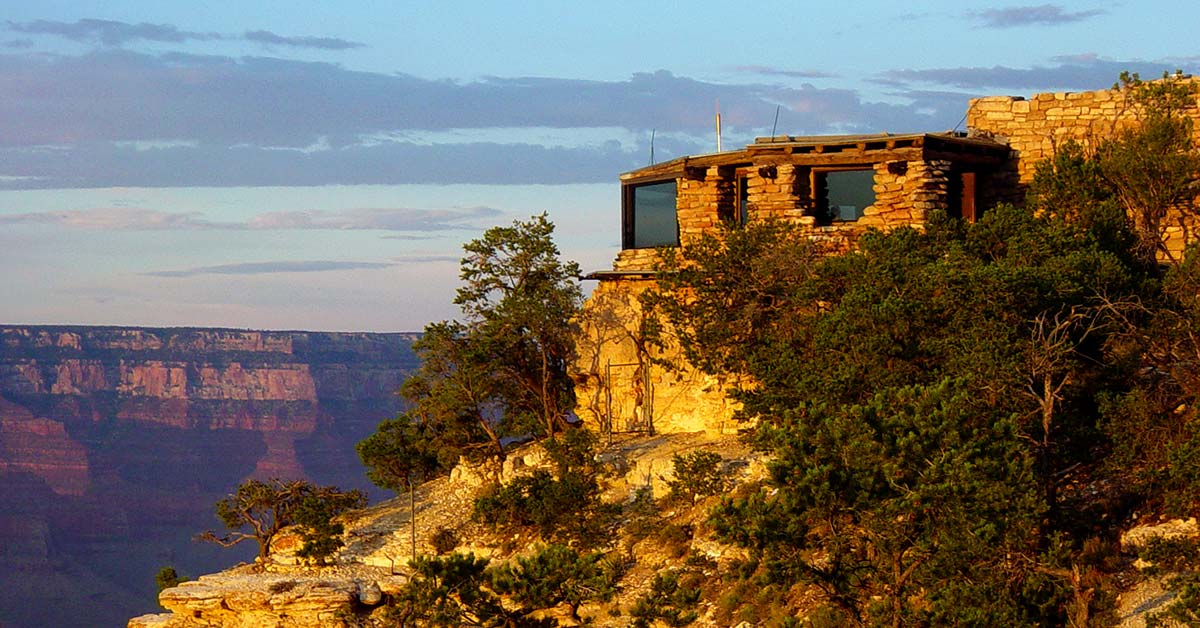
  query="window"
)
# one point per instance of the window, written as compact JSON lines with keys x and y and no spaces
{"x":737,"y":211}
{"x":842,"y":194}
{"x":649,"y":216}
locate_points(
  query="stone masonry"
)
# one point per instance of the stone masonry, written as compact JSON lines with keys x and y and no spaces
{"x":913,"y":175}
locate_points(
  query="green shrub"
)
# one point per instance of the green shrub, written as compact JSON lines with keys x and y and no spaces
{"x":641,"y":515}
{"x":321,"y":535}
{"x":1171,"y":554}
{"x":555,"y":575}
{"x":443,"y":540}
{"x":167,"y":578}
{"x":1185,"y":609}
{"x":562,"y":508}
{"x":668,"y":601}
{"x":697,"y":474}
{"x":675,"y":539}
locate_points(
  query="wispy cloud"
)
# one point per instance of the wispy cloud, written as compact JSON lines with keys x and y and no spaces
{"x":267,"y":268}
{"x":1068,"y":72}
{"x":110,"y":32}
{"x":1031,"y":15}
{"x":382,"y":219}
{"x":115,"y":33}
{"x":427,"y":259}
{"x":323,"y":43}
{"x":141,"y":219}
{"x":765,"y":70}
{"x":115,"y":219}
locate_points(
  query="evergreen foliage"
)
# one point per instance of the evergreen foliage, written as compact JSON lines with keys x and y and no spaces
{"x":462,"y":590}
{"x":668,"y":602}
{"x":167,"y":578}
{"x":259,"y":510}
{"x":697,"y":474}
{"x":500,"y":371}
{"x":401,"y":453}
{"x":1153,"y":166}
{"x":556,"y":574}
{"x":563,"y":506}
{"x":923,"y":398}
{"x":450,"y":591}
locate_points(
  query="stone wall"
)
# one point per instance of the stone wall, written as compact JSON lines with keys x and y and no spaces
{"x":1033,"y":127}
{"x":618,"y":375}
{"x":680,"y":399}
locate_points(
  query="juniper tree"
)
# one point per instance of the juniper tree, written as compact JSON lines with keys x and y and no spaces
{"x":259,"y":510}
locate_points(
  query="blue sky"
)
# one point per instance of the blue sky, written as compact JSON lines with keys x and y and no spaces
{"x":300,"y":165}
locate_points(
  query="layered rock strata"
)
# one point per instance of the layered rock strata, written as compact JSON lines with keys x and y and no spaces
{"x":116,"y":442}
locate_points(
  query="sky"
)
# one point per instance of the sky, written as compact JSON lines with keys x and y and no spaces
{"x":315,"y":165}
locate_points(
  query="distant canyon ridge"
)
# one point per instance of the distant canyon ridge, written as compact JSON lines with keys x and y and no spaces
{"x":115,"y":442}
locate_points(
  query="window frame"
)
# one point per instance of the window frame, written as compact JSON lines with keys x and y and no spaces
{"x":629,"y":211}
{"x":817,"y":182}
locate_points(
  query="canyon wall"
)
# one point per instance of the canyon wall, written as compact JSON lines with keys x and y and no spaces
{"x":116,"y":442}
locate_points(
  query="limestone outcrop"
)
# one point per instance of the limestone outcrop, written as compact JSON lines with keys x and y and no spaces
{"x":373,"y":564}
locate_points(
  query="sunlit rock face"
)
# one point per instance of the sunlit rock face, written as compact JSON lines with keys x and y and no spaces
{"x":116,"y":442}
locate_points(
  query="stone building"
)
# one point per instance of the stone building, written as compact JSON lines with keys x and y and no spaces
{"x":836,"y":188}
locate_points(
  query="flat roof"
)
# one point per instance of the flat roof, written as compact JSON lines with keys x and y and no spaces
{"x":831,"y":149}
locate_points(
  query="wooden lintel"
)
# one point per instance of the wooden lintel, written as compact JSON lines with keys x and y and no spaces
{"x":972,"y":158}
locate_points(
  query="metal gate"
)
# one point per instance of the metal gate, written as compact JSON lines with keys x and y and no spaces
{"x":633,"y":413}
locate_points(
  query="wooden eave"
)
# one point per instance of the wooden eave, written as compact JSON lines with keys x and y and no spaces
{"x":832,"y":150}
{"x":680,"y":167}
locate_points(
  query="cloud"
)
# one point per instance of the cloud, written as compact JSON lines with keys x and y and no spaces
{"x":383,"y":219}
{"x":428,"y":259}
{"x":140,"y":219}
{"x":267,"y":268}
{"x":771,"y":71}
{"x":109,"y":32}
{"x":1032,"y":15}
{"x":1070,"y":72}
{"x":114,"y":219}
{"x":123,"y":118}
{"x":114,"y":33}
{"x":323,"y":43}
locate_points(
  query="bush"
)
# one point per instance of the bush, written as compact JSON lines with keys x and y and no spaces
{"x":562,"y":508}
{"x":167,"y":578}
{"x":1170,"y":554}
{"x":557,"y":574}
{"x":697,"y":474}
{"x":443,"y":540}
{"x":668,"y":601}
{"x":1185,"y":610}
{"x":641,"y":513}
{"x":675,"y":539}
{"x":321,"y":535}
{"x":259,"y":510}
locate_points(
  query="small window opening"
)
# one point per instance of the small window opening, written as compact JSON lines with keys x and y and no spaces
{"x":841,"y":195}
{"x":649,"y":218}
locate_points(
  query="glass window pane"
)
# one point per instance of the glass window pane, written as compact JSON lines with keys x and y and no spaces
{"x":654,"y":220}
{"x":850,"y":192}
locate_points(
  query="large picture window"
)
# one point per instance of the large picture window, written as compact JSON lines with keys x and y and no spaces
{"x":649,"y":216}
{"x":842,"y":195}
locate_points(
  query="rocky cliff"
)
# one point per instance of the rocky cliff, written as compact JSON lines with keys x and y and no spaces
{"x":115,"y":443}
